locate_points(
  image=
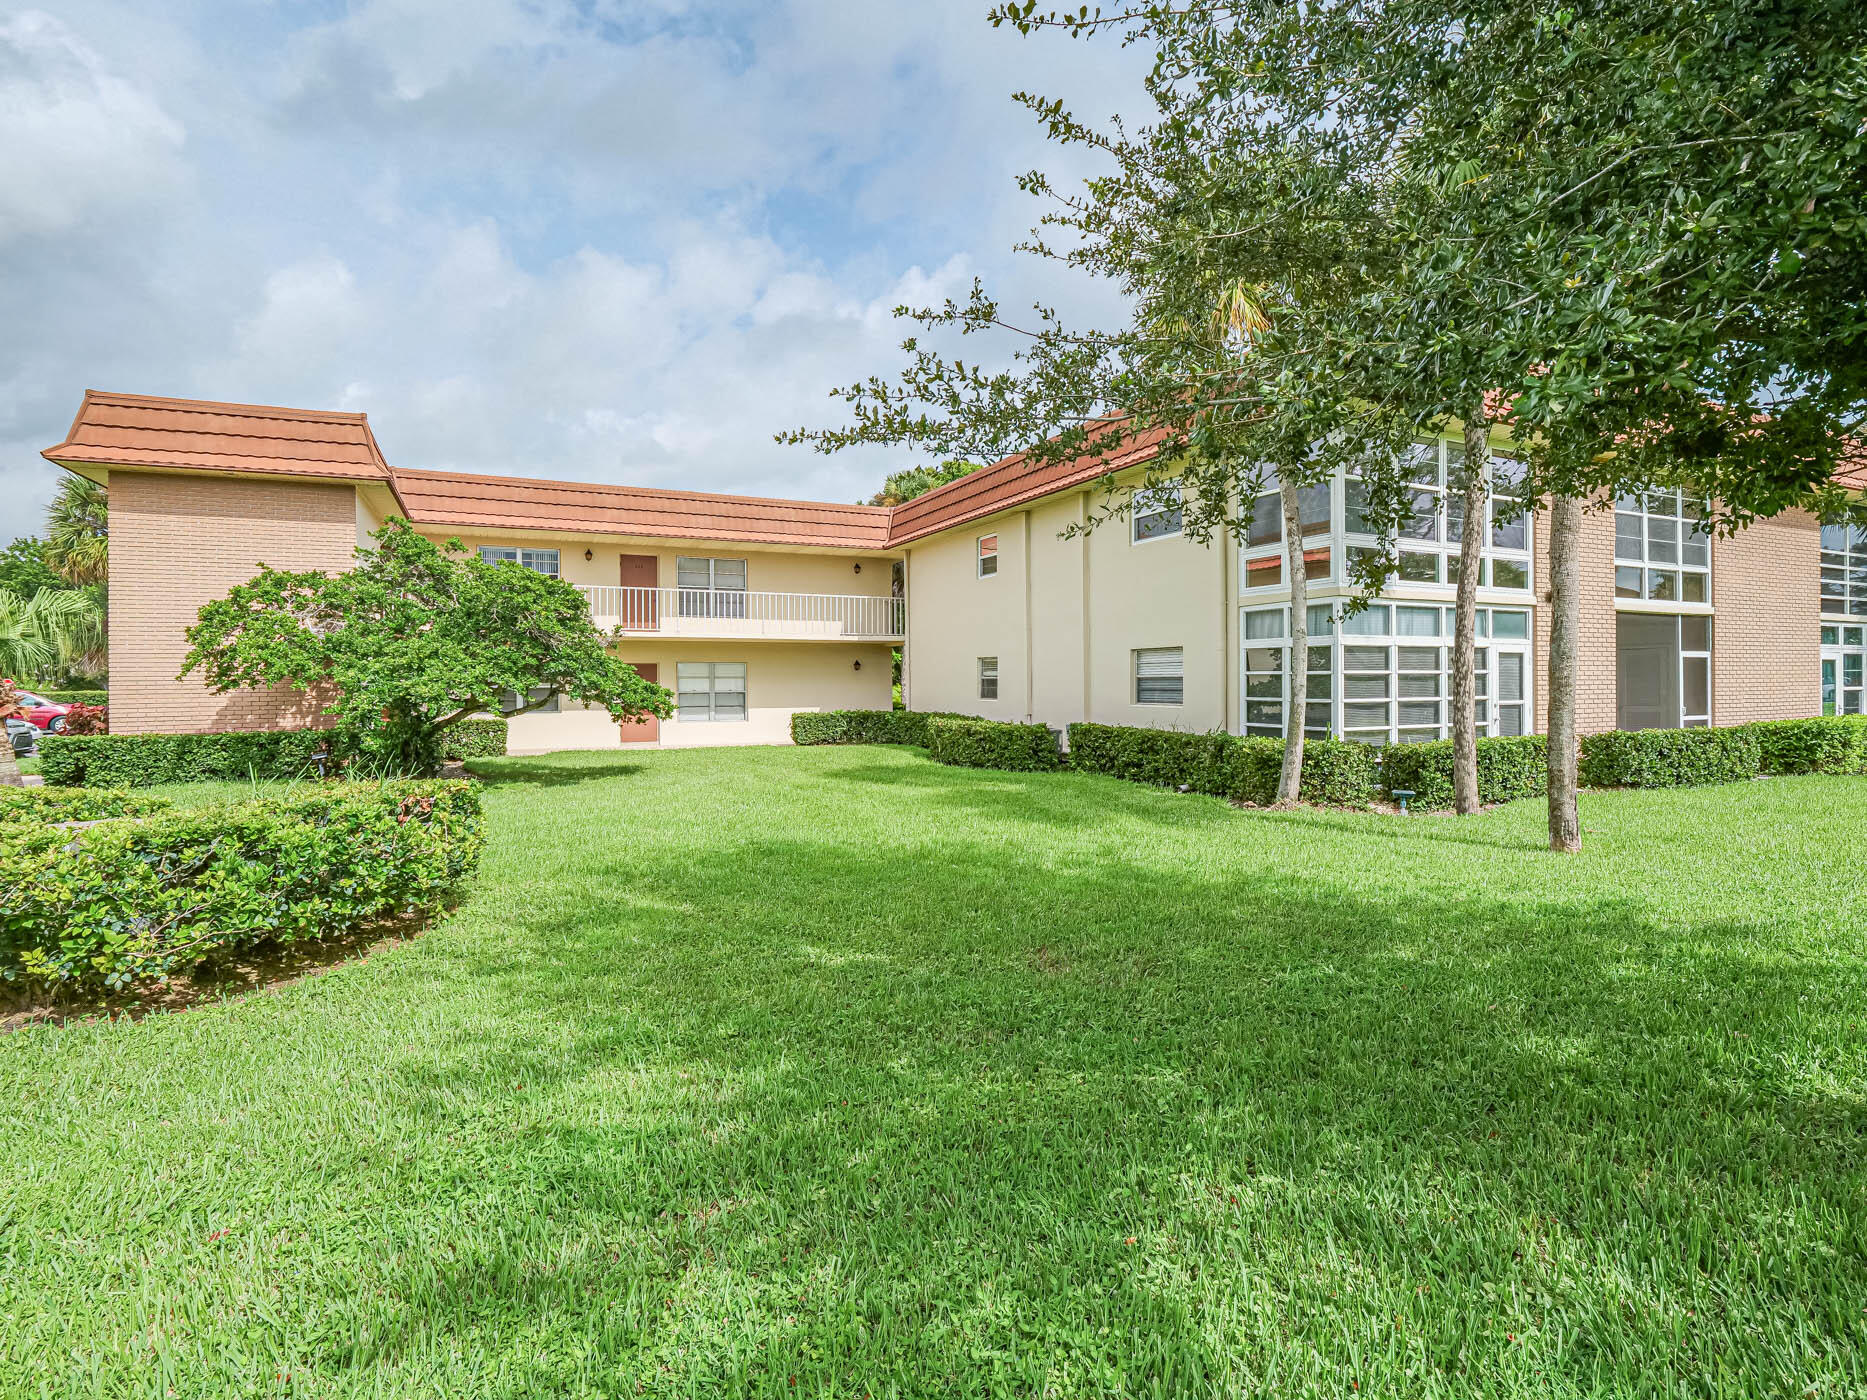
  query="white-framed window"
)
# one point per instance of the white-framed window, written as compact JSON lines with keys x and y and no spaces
{"x":510,"y":701}
{"x":539,"y":561}
{"x":1844,"y":669}
{"x":710,"y":587}
{"x":1427,"y":549}
{"x":1160,"y":675}
{"x":1384,"y":675}
{"x":710,"y":692}
{"x":1662,"y":550}
{"x":1158,"y":513}
{"x":1844,"y":570}
{"x":988,"y":555}
{"x":988,"y":678}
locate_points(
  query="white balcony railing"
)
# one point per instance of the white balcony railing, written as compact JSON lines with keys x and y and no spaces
{"x":715,"y":612}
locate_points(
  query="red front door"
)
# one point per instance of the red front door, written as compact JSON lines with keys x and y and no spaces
{"x":642,"y":731}
{"x":641,"y":612}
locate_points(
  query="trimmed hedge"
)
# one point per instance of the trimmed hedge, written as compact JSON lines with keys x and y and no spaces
{"x":40,"y":805}
{"x":1830,"y":744}
{"x":985,"y":743}
{"x":475,"y":738}
{"x":141,"y":760}
{"x":1336,"y":772}
{"x":1659,"y":758}
{"x":77,"y":697}
{"x":1507,"y":770}
{"x":108,"y":905}
{"x":866,"y":726}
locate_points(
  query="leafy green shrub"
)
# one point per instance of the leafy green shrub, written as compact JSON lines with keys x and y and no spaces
{"x":985,"y":743}
{"x":1508,"y":768}
{"x":140,"y":760}
{"x":43,"y":804}
{"x":87,"y":719}
{"x":474,"y":738}
{"x":111,"y":904}
{"x":1654,"y":758}
{"x":1830,"y":744}
{"x":77,"y":697}
{"x":865,"y":726}
{"x":1336,"y":772}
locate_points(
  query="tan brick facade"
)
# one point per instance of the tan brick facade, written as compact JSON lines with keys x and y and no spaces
{"x":1766,"y":654}
{"x":1766,"y":636}
{"x":178,"y":541}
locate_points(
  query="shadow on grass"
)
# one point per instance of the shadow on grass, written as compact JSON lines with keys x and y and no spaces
{"x":563,"y":771}
{"x":1097,"y":1128}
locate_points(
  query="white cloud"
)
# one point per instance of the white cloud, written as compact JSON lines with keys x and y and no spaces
{"x":76,"y":139}
{"x":611,"y":241}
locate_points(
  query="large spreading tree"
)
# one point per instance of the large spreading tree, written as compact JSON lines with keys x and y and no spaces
{"x":414,"y":639}
{"x":1642,"y":225}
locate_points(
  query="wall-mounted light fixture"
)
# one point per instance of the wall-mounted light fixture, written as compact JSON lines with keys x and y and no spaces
{"x":858,"y":568}
{"x":858,"y":665}
{"x":588,"y":556}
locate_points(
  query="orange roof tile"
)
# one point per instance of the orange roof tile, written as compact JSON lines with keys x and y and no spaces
{"x":135,"y":430}
{"x":469,"y":501}
{"x":1009,"y":483}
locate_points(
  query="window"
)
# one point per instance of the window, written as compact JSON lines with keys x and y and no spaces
{"x":1389,"y":673}
{"x":1661,"y":549}
{"x":539,"y":561}
{"x":710,"y":587}
{"x":710,"y":691}
{"x":1160,"y":676}
{"x":1425,"y":548}
{"x":1158,"y":512}
{"x":988,"y":555}
{"x":1662,"y":671}
{"x":1844,"y":570}
{"x":1844,"y":668}
{"x":510,"y":701}
{"x":988,"y":678}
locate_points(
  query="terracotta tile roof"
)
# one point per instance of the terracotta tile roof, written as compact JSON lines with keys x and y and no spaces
{"x":1009,"y":483}
{"x":136,"y":430}
{"x":467,"y":501}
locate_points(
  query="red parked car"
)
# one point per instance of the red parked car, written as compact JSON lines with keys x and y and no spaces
{"x":48,"y":715}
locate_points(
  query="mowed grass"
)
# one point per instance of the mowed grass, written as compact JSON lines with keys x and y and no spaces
{"x":835,"y":1072}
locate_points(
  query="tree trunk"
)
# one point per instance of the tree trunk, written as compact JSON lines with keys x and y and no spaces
{"x":1465,"y":626}
{"x":1565,"y":616}
{"x":1290,"y":782}
{"x":10,"y":775}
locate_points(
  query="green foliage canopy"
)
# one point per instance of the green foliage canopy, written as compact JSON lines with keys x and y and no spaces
{"x":413,"y":640}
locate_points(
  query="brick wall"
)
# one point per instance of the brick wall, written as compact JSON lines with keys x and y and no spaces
{"x":1766,"y":655}
{"x":177,"y":542}
{"x":1766,"y":636}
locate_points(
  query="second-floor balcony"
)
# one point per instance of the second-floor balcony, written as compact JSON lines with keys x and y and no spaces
{"x":719,"y":612}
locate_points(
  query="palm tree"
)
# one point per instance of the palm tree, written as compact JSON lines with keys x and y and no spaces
{"x":77,"y":532}
{"x":9,"y":704}
{"x":52,"y":628}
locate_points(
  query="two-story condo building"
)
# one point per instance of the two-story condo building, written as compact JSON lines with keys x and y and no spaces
{"x":753,"y":609}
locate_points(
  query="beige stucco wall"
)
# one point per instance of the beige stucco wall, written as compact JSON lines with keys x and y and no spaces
{"x":1064,"y":617}
{"x":177,"y":542}
{"x":767,"y":570}
{"x":782,"y":678}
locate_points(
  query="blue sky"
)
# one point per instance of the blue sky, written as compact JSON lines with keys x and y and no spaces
{"x":575,"y":238}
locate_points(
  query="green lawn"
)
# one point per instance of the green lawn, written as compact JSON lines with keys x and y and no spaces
{"x":835,"y":1072}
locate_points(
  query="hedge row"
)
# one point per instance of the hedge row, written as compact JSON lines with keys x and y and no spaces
{"x":39,"y":805}
{"x":123,"y":901}
{"x":1654,"y":758}
{"x":985,"y":743}
{"x":475,"y":738}
{"x":866,"y":726}
{"x":77,"y":697}
{"x":1507,"y":770}
{"x":141,"y":760}
{"x":1335,"y":771}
